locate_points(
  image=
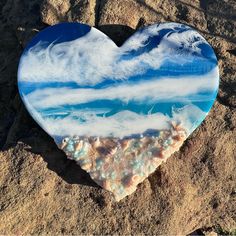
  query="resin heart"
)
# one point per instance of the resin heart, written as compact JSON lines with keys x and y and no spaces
{"x":119,"y":112}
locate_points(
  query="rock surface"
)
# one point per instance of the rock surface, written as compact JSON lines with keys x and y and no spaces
{"x":43,"y":192}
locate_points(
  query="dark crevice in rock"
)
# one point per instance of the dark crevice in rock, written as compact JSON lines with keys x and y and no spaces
{"x":232,"y":51}
{"x":141,"y":23}
{"x":214,"y":203}
{"x":98,"y":200}
{"x":203,"y":4}
{"x":197,"y":232}
{"x":97,"y":9}
{"x":182,"y":12}
{"x":225,"y":101}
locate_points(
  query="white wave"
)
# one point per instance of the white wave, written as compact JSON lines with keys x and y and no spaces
{"x":124,"y":123}
{"x":187,"y":40}
{"x":148,"y":92}
{"x":139,"y":39}
{"x":82,"y":113}
{"x":94,"y":57}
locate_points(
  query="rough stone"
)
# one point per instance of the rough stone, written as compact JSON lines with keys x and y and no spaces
{"x":43,"y":192}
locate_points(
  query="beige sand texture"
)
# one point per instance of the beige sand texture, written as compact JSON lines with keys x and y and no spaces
{"x":42,"y":192}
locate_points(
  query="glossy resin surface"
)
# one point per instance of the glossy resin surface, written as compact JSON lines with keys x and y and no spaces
{"x":118,"y":111}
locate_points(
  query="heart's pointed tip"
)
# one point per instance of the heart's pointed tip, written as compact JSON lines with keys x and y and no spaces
{"x":119,"y":197}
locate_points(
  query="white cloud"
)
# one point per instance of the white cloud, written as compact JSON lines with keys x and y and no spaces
{"x":170,"y":89}
{"x":94,"y":57}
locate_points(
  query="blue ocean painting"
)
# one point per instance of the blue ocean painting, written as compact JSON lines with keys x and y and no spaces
{"x":119,"y":112}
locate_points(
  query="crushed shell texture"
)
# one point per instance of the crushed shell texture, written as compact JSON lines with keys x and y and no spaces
{"x":119,"y":165}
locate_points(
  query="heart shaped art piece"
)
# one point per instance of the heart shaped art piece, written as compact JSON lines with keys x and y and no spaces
{"x":119,"y":112}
